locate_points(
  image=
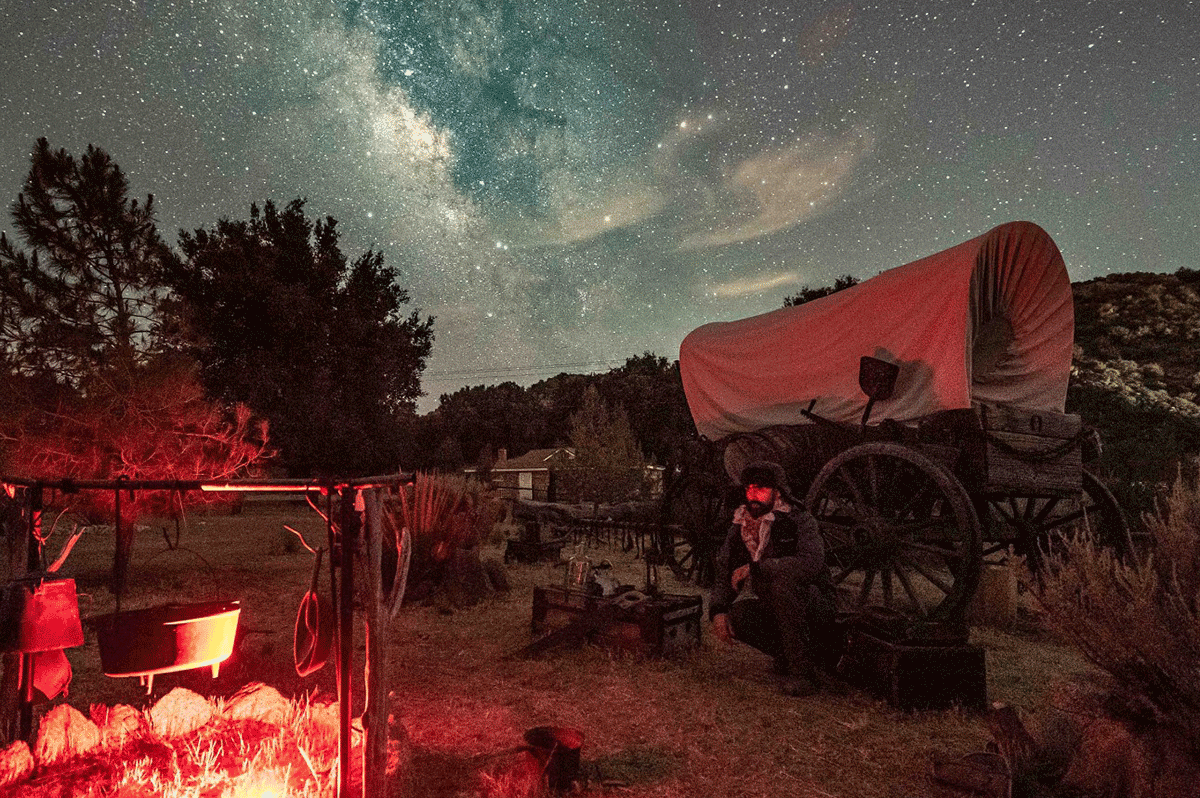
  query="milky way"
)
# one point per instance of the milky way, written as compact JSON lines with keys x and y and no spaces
{"x":566,"y":184}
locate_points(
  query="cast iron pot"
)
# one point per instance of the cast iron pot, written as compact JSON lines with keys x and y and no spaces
{"x":168,"y":638}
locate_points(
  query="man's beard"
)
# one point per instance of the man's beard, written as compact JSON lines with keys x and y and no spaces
{"x":757,"y":509}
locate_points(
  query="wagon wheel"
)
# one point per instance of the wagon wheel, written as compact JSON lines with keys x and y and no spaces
{"x":900,"y":531}
{"x":695,"y":502}
{"x":698,"y":508}
{"x":1033,"y":524}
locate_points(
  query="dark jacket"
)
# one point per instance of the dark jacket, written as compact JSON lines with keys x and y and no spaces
{"x":795,"y":548}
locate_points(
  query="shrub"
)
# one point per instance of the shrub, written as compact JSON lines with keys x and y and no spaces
{"x":1139,"y":621}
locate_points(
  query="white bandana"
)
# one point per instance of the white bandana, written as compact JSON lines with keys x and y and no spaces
{"x":756,"y":532}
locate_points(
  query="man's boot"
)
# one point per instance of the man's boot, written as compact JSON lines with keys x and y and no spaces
{"x":801,"y":678}
{"x":798,"y":686}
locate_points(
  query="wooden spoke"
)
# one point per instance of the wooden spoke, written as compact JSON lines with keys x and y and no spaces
{"x":908,"y":588}
{"x":934,"y":580}
{"x":1044,"y":513}
{"x":887,"y":512}
{"x":1034,"y":525}
{"x":865,"y":590}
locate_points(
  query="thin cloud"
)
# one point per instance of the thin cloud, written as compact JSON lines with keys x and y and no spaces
{"x":626,"y":206}
{"x":777,"y":189}
{"x":753,"y":285}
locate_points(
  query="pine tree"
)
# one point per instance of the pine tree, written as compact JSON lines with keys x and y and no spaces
{"x":88,"y":390}
{"x":608,"y":464}
{"x":82,"y":300}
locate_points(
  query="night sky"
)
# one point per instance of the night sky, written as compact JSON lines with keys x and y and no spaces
{"x":567,"y":184}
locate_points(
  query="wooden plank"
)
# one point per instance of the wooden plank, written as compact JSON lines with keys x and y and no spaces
{"x":375,"y":716}
{"x":1042,"y":423}
{"x":1015,"y":462}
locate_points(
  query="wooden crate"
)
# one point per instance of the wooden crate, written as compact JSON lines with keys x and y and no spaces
{"x":663,"y":626}
{"x":1008,"y":450}
{"x":914,"y":677}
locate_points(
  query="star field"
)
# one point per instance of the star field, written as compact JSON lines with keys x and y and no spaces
{"x":565,"y":184}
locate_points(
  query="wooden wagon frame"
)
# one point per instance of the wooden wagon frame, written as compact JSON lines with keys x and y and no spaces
{"x":965,"y":356}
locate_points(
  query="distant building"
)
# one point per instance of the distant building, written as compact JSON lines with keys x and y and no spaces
{"x":537,"y":475}
{"x":530,"y":476}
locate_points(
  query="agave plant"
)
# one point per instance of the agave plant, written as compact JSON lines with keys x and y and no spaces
{"x":432,"y":517}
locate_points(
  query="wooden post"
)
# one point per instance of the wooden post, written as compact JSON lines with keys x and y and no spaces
{"x":15,"y":526}
{"x":375,"y":716}
{"x":33,"y":563}
{"x":348,"y":532}
{"x":995,"y":601}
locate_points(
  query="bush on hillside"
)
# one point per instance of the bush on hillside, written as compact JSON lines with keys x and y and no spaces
{"x":1139,"y":621}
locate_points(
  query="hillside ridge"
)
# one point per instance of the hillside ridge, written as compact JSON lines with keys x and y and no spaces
{"x":1135,"y":376}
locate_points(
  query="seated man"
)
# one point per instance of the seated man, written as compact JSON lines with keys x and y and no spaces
{"x":772,"y":590}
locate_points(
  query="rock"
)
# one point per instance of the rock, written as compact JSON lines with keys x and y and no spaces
{"x":1098,"y":755}
{"x":64,"y":732}
{"x":1163,"y":766}
{"x":117,"y":724}
{"x":180,"y":712}
{"x":1014,"y":742}
{"x":257,"y":701}
{"x":322,"y":720}
{"x":497,"y":574}
{"x":1104,"y":761}
{"x":1056,"y":733}
{"x":16,"y":763}
{"x":467,"y":581}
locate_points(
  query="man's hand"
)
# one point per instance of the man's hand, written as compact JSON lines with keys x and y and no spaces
{"x":721,"y":628}
{"x":740,"y":575}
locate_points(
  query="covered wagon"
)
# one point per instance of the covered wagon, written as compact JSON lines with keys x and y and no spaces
{"x":920,"y":414}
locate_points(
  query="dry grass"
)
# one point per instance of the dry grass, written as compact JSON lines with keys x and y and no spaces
{"x":713,"y":724}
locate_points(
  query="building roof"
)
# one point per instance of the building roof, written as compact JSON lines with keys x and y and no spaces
{"x":533,"y":460}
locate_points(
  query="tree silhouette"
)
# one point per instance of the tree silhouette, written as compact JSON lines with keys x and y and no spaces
{"x":608,"y":464}
{"x":83,"y":299}
{"x":318,"y":345}
{"x":806,"y":294}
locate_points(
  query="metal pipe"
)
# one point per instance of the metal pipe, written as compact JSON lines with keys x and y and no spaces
{"x":217,"y":486}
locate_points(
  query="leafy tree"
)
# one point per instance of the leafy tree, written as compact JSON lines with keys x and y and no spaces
{"x":807,"y":294}
{"x":320,"y":346}
{"x":650,"y":390}
{"x":476,"y":421}
{"x":472,"y":422}
{"x":559,"y":398}
{"x":83,"y":299}
{"x":608,"y":464}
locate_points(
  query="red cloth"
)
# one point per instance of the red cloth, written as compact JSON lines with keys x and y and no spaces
{"x":51,"y":674}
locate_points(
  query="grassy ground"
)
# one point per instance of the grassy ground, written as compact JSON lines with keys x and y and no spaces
{"x":711,"y":724}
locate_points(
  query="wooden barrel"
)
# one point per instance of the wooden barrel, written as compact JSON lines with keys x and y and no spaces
{"x":802,"y":449}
